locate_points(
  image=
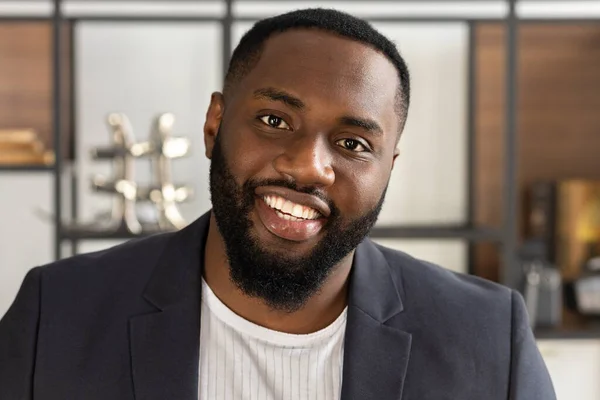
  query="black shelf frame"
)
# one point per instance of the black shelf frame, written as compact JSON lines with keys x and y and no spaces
{"x":470,"y":233}
{"x":568,"y":334}
{"x":89,"y":234}
{"x":443,"y":232}
{"x":26,"y":168}
{"x":505,"y":236}
{"x":57,"y":68}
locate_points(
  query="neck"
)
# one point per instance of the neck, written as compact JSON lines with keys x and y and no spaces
{"x":319,"y":311}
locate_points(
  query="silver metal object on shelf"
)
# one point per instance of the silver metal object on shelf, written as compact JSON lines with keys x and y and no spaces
{"x":166,"y":148}
{"x":543,"y":293}
{"x":164,"y":195}
{"x":123,"y":209}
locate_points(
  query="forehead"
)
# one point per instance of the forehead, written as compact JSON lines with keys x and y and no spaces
{"x":326,"y":70}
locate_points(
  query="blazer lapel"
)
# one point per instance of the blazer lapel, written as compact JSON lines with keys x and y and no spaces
{"x":165,"y":344}
{"x":375,"y":354}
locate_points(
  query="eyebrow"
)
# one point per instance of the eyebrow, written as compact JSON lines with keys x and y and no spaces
{"x":367,"y":124}
{"x":273,"y":94}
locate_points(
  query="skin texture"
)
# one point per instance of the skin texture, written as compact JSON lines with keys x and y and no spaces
{"x":331,"y":98}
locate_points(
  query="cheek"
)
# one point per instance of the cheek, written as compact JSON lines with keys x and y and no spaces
{"x":358,"y":189}
{"x":247,"y":155}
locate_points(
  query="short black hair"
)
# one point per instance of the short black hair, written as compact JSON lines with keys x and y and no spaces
{"x":248,"y":51}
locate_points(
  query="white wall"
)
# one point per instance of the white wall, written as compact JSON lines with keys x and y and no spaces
{"x":142,"y":70}
{"x":25,"y":238}
{"x":574,"y":367}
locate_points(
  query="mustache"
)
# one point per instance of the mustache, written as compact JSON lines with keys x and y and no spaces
{"x":251,"y":185}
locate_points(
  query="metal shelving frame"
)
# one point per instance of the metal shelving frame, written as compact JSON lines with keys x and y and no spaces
{"x":25,"y":168}
{"x":505,"y":236}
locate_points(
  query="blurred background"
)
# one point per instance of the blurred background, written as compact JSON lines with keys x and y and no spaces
{"x":102,"y":105}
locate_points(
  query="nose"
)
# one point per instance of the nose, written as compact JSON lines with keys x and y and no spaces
{"x":307,"y":161}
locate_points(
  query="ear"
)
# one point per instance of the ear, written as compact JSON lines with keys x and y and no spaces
{"x":214,"y":117}
{"x":396,"y":154}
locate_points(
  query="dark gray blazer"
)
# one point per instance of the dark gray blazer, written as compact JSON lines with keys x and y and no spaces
{"x":124,"y":324}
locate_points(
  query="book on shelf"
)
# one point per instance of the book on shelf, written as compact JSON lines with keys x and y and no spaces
{"x":578,"y":224}
{"x":565,"y":216}
{"x":23,"y":147}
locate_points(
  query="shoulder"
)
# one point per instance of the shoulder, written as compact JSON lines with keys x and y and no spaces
{"x":460,"y":320}
{"x":445,"y":297}
{"x":433,"y":280}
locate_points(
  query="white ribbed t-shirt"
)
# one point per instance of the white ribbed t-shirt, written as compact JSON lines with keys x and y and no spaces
{"x":240,"y":360}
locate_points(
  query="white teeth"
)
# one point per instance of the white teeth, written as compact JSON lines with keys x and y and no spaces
{"x":287,"y":207}
{"x":297,"y":211}
{"x":278,"y":203}
{"x":290,"y":211}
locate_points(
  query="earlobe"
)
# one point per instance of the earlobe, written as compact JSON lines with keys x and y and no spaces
{"x":214,"y":117}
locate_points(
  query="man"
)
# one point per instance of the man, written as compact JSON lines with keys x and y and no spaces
{"x":277,"y":293}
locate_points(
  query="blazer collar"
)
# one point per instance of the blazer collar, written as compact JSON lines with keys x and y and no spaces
{"x":164,"y":344}
{"x":373,"y":287}
{"x":179,"y":267}
{"x":376,"y":353}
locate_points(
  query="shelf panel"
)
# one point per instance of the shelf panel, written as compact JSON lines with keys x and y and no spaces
{"x":92,"y":234}
{"x":387,"y":232}
{"x":26,"y":168}
{"x":408,"y":9}
{"x":437,"y":232}
{"x":567,"y":333}
{"x":574,"y":326}
{"x":144,"y":9}
{"x":26,"y":9}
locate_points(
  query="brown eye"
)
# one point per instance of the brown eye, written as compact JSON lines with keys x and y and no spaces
{"x":352,"y":145}
{"x":275,"y":122}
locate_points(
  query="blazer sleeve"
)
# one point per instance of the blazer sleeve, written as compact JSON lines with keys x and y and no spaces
{"x":18,"y":338}
{"x":529,"y":377}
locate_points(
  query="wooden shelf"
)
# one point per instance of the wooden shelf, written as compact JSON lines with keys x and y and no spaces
{"x":574,"y":326}
{"x":567,"y":334}
{"x":385,"y":232}
{"x":91,"y":233}
{"x":437,"y":232}
{"x":26,"y":168}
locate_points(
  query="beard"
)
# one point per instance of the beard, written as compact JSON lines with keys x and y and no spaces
{"x":284,"y":282}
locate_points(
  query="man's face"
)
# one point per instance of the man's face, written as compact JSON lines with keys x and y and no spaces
{"x":301,"y":152}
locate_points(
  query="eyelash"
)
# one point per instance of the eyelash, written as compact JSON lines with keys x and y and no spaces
{"x":366,"y":148}
{"x":261,"y":118}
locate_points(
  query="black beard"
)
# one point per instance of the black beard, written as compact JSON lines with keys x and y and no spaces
{"x":283,"y":282}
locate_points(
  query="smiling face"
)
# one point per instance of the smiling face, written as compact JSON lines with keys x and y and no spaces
{"x":302,"y":149}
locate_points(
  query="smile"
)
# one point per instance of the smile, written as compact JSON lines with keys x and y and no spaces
{"x":289,"y":210}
